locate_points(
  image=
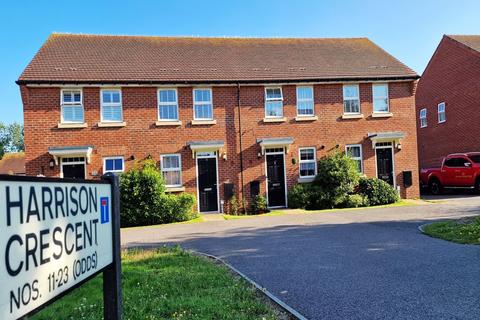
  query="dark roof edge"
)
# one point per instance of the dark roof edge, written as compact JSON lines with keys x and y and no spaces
{"x":462,"y":44}
{"x":152,"y":82}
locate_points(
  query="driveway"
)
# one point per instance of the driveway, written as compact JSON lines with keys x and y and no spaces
{"x":353,"y":264}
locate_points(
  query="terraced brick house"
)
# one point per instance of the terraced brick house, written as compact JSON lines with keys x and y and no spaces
{"x":447,"y":99}
{"x":221,"y":116}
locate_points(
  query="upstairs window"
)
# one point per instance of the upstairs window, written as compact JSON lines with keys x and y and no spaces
{"x":351,"y":99}
{"x":305,"y":105}
{"x":113,"y":164}
{"x":273,"y":103}
{"x":380,"y":98}
{"x":202,"y":104}
{"x":72,"y":107}
{"x":354,"y":151}
{"x":442,"y":117}
{"x":308,"y":163}
{"x":112,"y":106}
{"x":167,"y":105}
{"x":171,"y":166}
{"x":423,"y":118}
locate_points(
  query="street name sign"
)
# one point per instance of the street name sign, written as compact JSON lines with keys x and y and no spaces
{"x":55,"y":234}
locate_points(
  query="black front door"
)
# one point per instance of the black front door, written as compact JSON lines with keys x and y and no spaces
{"x":275,"y":180}
{"x":74,"y":171}
{"x":207,"y":184}
{"x":385,"y":165}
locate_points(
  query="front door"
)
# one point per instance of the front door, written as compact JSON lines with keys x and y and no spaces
{"x":385,"y":164}
{"x":276,"y":180}
{"x":207,"y":184}
{"x":74,"y":171}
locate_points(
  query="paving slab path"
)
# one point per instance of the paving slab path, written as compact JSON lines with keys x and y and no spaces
{"x":350,"y":264}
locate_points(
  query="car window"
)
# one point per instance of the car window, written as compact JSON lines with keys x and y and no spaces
{"x":456,"y":162}
{"x":475,"y":158}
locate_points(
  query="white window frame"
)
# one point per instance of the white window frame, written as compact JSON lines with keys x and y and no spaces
{"x":162,"y":169}
{"x":111,"y":104}
{"x":159,"y":104}
{"x":300,"y":161}
{"x":351,"y":99}
{"x":71,"y":104}
{"x":380,"y":98}
{"x":423,"y":118}
{"x":312,"y":100}
{"x":442,"y":112}
{"x":356,"y":158}
{"x":202,"y":103}
{"x":273,"y":100}
{"x":113,"y":158}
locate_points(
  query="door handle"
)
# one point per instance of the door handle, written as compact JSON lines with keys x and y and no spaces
{"x":207,"y":189}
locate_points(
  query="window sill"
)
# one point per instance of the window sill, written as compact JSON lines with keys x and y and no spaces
{"x":72,"y":125}
{"x":306,"y":118}
{"x":306,"y":180}
{"x":168,"y":123}
{"x":175,"y":189}
{"x":352,"y":116}
{"x":382,"y":115}
{"x":203,"y":122}
{"x":273,"y":120}
{"x":111,"y":124}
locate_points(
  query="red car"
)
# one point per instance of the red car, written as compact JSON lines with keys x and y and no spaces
{"x":458,"y":170}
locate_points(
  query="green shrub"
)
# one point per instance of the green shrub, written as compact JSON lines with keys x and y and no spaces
{"x":232,"y":207}
{"x":353,"y":201}
{"x":377,"y":192}
{"x":337,"y":176}
{"x":299,"y":196}
{"x":259,"y":205}
{"x":177,"y":208}
{"x":143,"y":200}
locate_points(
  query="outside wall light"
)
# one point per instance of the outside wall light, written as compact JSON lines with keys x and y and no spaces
{"x":399,"y":146}
{"x":51,"y":163}
{"x":224,"y":156}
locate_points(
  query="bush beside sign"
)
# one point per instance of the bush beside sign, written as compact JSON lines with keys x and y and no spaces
{"x":54,"y":235}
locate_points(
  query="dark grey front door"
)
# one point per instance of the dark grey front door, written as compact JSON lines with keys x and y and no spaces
{"x":385,"y":164}
{"x":207,"y":184}
{"x":74,"y":171}
{"x":276,"y":180}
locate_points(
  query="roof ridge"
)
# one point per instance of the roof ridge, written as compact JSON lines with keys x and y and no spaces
{"x":204,"y":37}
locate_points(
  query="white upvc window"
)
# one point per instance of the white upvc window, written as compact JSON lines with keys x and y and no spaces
{"x":305,"y":104}
{"x":171,"y":166}
{"x":273,"y":102}
{"x":308,"y":162}
{"x":72,"y":106}
{"x":380,"y":98}
{"x":442,"y":117}
{"x":167,"y":105}
{"x":351,"y":98}
{"x":354,"y":151}
{"x":111,"y":105}
{"x":202,"y":104}
{"x":113,"y":164}
{"x":423,"y":118}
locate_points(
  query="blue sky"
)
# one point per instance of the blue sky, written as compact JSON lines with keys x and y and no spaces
{"x":410,"y":30}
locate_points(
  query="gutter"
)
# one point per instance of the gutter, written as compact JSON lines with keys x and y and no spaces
{"x":202,"y":82}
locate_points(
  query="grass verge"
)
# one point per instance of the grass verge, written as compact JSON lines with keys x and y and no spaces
{"x":197,"y":219}
{"x":401,"y":203}
{"x":167,"y":284}
{"x":466,"y":230}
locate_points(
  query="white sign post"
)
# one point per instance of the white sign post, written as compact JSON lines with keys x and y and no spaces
{"x":55,"y":234}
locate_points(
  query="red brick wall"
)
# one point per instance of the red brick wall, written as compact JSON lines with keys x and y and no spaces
{"x":140,"y":137}
{"x":453,"y":77}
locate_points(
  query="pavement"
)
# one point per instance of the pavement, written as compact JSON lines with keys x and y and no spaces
{"x":349,"y":264}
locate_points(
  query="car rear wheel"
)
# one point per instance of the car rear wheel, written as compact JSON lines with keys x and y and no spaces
{"x":435,"y":187}
{"x":477,"y":185}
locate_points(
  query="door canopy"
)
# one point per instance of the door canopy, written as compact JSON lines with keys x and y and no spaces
{"x":274,"y":143}
{"x":205,"y":146}
{"x":379,"y":137}
{"x":71,"y":151}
